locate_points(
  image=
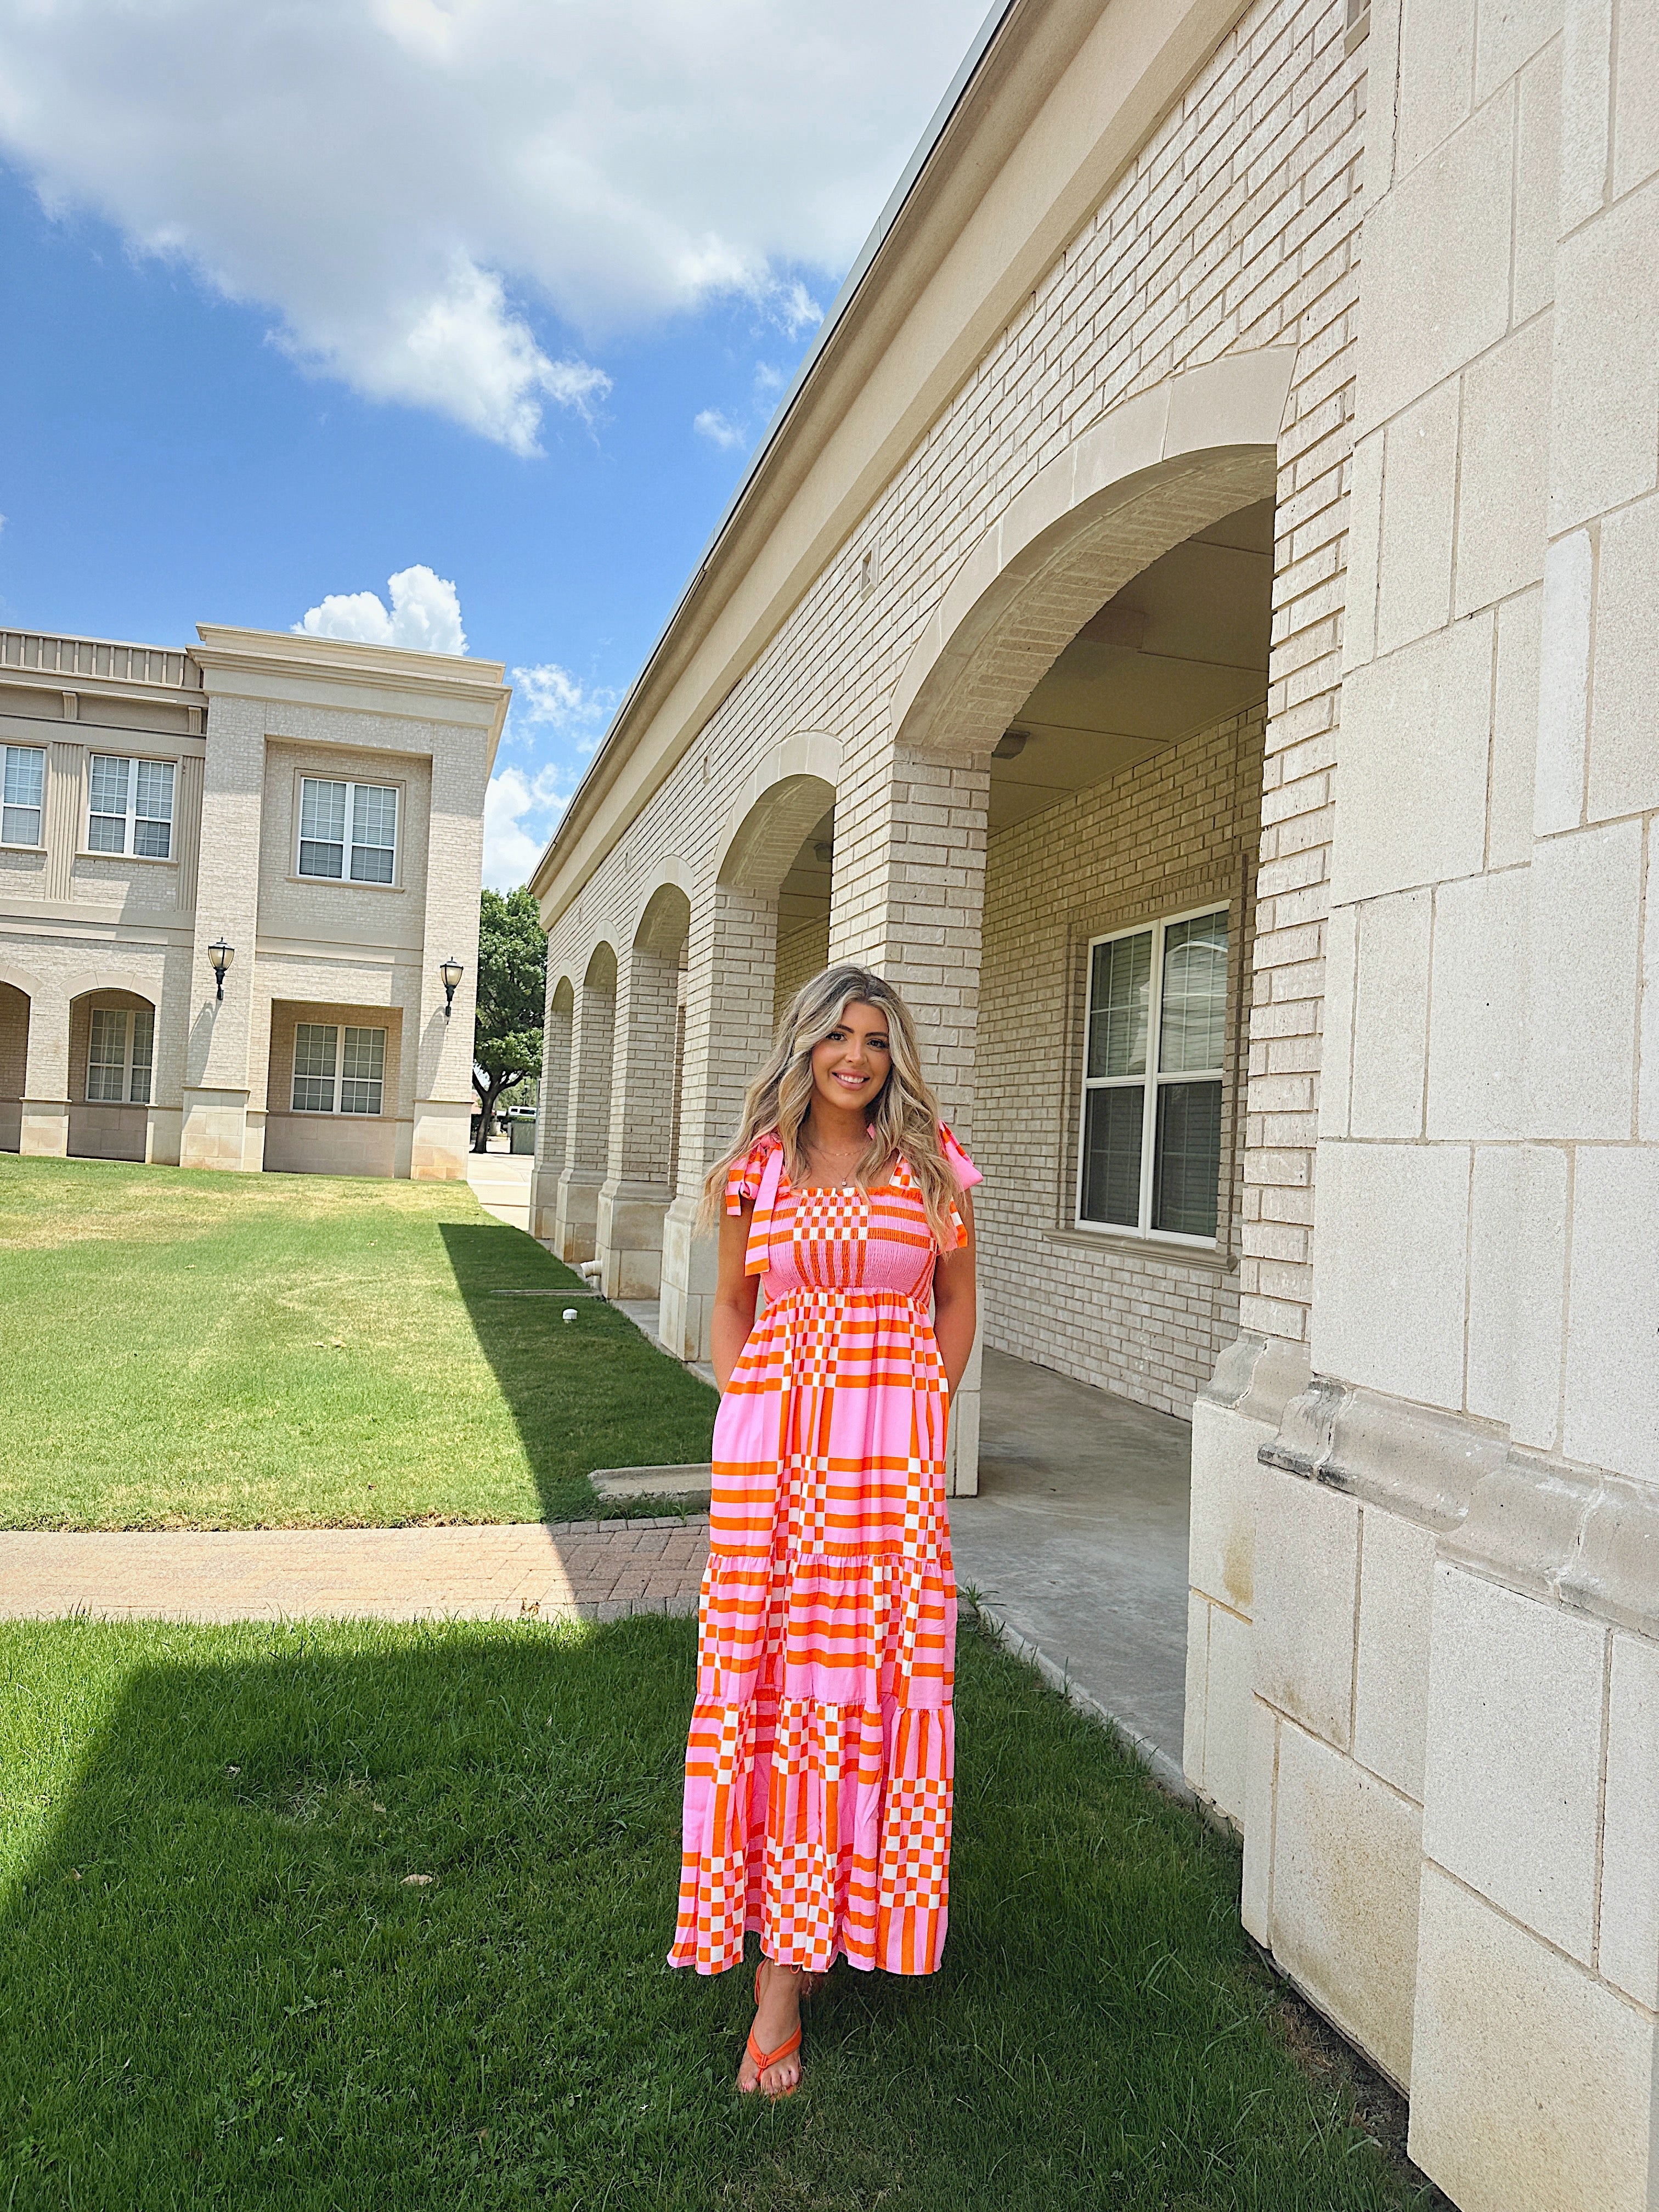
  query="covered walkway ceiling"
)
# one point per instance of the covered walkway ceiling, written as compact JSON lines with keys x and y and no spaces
{"x":1181,"y":645}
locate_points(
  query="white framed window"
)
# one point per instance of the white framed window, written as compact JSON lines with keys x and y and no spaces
{"x":121,"y":1055}
{"x":337,"y":1069}
{"x":23,"y":809}
{"x":130,"y":807}
{"x":347,"y":831}
{"x":1150,"y":1142}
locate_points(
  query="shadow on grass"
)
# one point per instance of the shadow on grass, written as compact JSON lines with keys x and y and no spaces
{"x":218,"y":1984}
{"x":583,"y":1393}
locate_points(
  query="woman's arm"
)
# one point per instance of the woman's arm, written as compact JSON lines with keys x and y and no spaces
{"x":955,"y":1307}
{"x":734,"y":1295}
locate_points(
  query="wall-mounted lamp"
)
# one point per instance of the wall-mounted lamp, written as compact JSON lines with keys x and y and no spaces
{"x":221,"y":955}
{"x":451,"y":972}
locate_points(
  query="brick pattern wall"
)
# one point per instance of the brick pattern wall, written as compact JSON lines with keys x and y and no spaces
{"x":1174,"y":832}
{"x":1233,"y":229}
{"x":642,"y":1098}
{"x":592,"y":1048}
{"x":803,"y":952}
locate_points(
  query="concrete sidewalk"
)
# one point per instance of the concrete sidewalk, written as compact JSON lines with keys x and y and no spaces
{"x":501,"y":1182}
{"x":1077,"y":1544}
{"x":582,"y":1569}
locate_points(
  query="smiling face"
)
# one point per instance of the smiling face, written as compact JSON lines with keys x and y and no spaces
{"x":851,"y":1064}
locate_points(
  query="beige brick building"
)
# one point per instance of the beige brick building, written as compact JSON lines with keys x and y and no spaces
{"x":1192,"y":626}
{"x":317,"y":808}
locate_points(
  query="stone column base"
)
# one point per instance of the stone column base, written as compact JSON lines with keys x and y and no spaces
{"x":439,"y":1140}
{"x":575,"y":1215}
{"x":628,"y":1236}
{"x":43,"y":1129}
{"x":688,"y":1271}
{"x":962,"y":1445}
{"x":214,"y":1132}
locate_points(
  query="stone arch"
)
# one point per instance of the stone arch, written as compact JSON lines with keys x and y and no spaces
{"x":665,"y":920}
{"x":21,"y":979}
{"x":787,"y":791}
{"x":1171,"y":462}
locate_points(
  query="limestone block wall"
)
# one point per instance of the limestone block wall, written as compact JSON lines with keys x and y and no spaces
{"x":1175,"y":832}
{"x":1452,"y":1531}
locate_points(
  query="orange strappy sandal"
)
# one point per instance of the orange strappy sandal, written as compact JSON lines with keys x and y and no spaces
{"x":764,"y":2058}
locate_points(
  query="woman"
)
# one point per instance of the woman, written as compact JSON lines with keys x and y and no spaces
{"x":818,"y":1771}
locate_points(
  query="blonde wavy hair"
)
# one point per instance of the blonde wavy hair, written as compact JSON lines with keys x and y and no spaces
{"x":904,"y":1117}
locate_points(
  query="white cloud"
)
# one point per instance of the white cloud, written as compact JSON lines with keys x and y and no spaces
{"x":520,"y":811}
{"x":425,"y":615}
{"x":550,"y":695}
{"x":407,"y":184}
{"x":725,"y":432}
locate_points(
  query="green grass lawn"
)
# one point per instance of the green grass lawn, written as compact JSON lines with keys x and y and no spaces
{"x":227,"y":1350}
{"x":219,"y":1987}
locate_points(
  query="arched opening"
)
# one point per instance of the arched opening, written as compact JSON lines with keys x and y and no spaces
{"x":112,"y":1075}
{"x":14,"y":1064}
{"x":773,"y":913}
{"x":775,"y":863}
{"x":645,"y":1118}
{"x":804,"y":914}
{"x":553,"y":1108}
{"x":1094,"y":683}
{"x":587,"y":1142}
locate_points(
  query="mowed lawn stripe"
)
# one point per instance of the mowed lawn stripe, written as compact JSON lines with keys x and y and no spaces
{"x":222,"y":1351}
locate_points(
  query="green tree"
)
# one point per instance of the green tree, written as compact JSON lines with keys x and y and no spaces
{"x":507,"y":1043}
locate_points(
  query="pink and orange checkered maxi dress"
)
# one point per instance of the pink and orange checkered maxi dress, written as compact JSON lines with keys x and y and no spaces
{"x":821,"y":1748}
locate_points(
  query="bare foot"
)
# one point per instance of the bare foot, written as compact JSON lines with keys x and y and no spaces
{"x":777,"y":2016}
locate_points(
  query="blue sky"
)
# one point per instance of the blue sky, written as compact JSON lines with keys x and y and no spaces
{"x":533,"y":363}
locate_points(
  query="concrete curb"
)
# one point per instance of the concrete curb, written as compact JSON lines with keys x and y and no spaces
{"x":1162,"y":1768}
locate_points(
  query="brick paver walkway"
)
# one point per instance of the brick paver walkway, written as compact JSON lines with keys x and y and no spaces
{"x":579,"y":1570}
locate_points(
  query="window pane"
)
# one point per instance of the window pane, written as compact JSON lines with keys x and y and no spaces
{"x":1187,"y":1168}
{"x":152,"y":832}
{"x":322,"y":810}
{"x":363,"y":1069}
{"x":1193,"y":1019}
{"x":1120,"y":982}
{"x":322,"y":827}
{"x":314,"y":1066}
{"x":110,"y":781}
{"x":317,"y":860}
{"x":20,"y":825}
{"x":106,"y":1054}
{"x":373,"y":832}
{"x":106,"y":824}
{"x":143,"y":1054}
{"x":370,"y":864}
{"x":26,"y":776}
{"x":1111,"y":1155}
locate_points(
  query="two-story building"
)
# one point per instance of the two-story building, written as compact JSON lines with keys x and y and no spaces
{"x":232,"y":877}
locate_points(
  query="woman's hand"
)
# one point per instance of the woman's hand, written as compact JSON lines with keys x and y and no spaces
{"x":955,"y":1305}
{"x":734,"y":1295}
